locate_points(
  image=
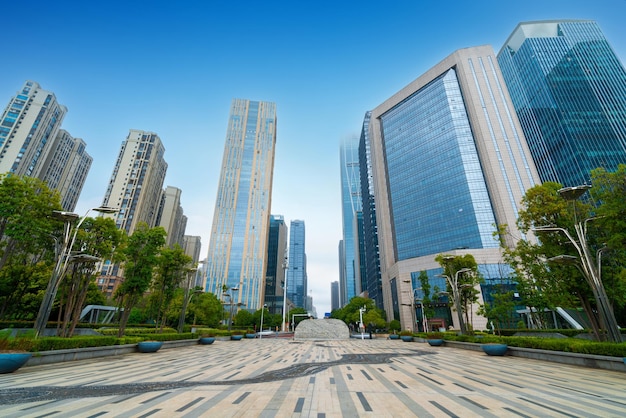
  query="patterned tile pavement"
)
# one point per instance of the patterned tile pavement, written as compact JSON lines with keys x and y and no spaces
{"x":321,"y":379}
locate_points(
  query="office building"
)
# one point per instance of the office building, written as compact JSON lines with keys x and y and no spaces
{"x":296,"y":274}
{"x":449,"y":165}
{"x":191,"y":246}
{"x":349,"y":277}
{"x":569,"y":92}
{"x":239,"y":234}
{"x":276,"y":264}
{"x":33,"y":144}
{"x":370,"y":270}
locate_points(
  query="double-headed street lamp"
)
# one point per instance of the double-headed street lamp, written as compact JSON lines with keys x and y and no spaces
{"x":585,"y":263}
{"x":456,"y":295}
{"x":65,"y":257}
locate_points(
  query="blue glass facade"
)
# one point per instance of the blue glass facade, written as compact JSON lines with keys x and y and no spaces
{"x":439,"y":199}
{"x":569,"y":91}
{"x":296,"y":274}
{"x":239,"y":236}
{"x":350,"y":205}
{"x":369,"y":255}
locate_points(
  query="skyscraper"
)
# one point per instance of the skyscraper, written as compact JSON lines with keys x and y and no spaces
{"x":296,"y":274}
{"x":334,"y":296}
{"x":349,"y":283}
{"x":569,"y":91}
{"x":449,"y":163}
{"x":33,"y":144}
{"x":238,"y":243}
{"x":276,"y":258}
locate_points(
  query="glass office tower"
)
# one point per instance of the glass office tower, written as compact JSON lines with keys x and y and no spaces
{"x":569,"y":91}
{"x":239,"y":235}
{"x":449,"y":164}
{"x":350,"y":282}
{"x":296,"y":274}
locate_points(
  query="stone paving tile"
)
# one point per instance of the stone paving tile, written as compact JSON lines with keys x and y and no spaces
{"x":322,"y":379}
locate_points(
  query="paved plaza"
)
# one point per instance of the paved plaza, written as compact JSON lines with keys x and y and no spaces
{"x":321,"y":379}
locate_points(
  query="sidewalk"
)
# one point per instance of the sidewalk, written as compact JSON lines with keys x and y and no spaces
{"x":322,"y":379}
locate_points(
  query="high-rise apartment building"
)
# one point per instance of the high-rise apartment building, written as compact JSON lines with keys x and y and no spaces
{"x":33,"y":144}
{"x":349,"y":277}
{"x":449,"y":164}
{"x":66,"y":168}
{"x":135,"y":189}
{"x":239,"y":235}
{"x":276,"y":263}
{"x":136,"y":184}
{"x":296,"y":274}
{"x":569,"y":92}
{"x":171,"y":216}
{"x":369,"y":245}
{"x":191,"y":246}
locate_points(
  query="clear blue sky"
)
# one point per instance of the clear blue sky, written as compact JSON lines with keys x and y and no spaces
{"x":174,"y":67}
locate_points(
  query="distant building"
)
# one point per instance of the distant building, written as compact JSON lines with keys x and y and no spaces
{"x":334,"y":296}
{"x":350,"y":280}
{"x":33,"y":144}
{"x":449,"y":164}
{"x":171,"y":216}
{"x":296,"y":274}
{"x":239,"y":236}
{"x":276,"y":263}
{"x":192,"y":245}
{"x":569,"y":92}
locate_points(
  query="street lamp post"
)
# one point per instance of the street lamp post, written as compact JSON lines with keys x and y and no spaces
{"x":230,"y":320}
{"x":186,"y":300}
{"x":262,"y":311}
{"x":586,"y":265}
{"x":454,"y":284}
{"x":361,"y":326}
{"x":285,"y":267}
{"x":64,"y":258}
{"x":421,"y":301}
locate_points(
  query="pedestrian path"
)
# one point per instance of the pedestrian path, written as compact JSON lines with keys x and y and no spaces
{"x":321,"y":379}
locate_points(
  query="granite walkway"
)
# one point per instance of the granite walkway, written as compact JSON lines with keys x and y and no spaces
{"x":321,"y":379}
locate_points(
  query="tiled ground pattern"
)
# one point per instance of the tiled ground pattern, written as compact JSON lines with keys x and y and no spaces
{"x":321,"y":379}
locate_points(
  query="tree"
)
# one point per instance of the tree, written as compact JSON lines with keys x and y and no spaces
{"x":172,"y":267}
{"x":501,"y":311}
{"x":206,"y":309}
{"x":99,"y":238}
{"x":351,"y":316}
{"x":563,"y":285}
{"x":243,"y":319}
{"x":465,"y":286}
{"x":140,"y":255}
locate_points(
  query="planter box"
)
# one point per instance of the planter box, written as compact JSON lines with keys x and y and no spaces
{"x":394,"y":337}
{"x":250,"y":335}
{"x":236,"y":337}
{"x":435,"y":342}
{"x":406,"y":338}
{"x":206,"y":340}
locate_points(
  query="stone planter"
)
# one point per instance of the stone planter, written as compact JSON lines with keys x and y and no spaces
{"x":394,"y":337}
{"x":10,"y":362}
{"x":435,"y":342}
{"x":406,"y":338}
{"x":236,"y":337}
{"x":206,"y":340}
{"x":149,"y":346}
{"x":495,"y":349}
